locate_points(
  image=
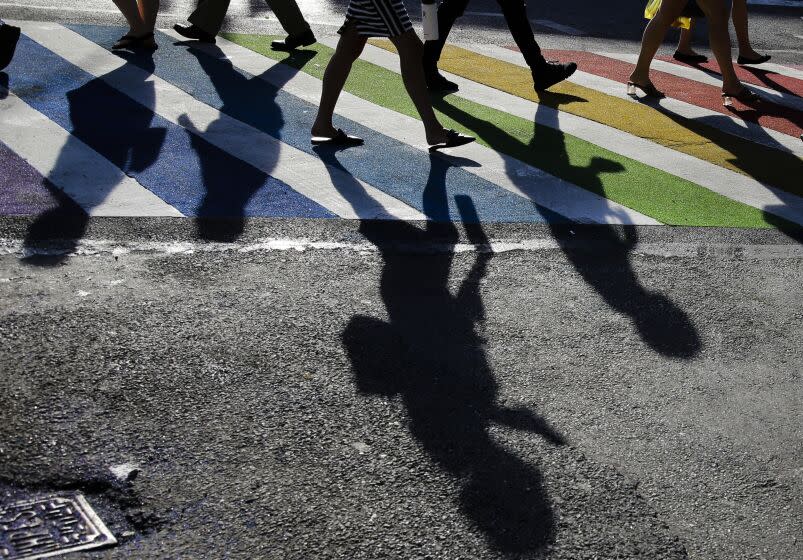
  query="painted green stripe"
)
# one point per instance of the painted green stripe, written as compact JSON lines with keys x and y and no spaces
{"x":655,"y":193}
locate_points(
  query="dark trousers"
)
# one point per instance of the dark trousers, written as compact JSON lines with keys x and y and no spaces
{"x":515,"y":12}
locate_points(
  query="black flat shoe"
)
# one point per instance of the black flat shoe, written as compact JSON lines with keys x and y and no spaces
{"x":292,"y":42}
{"x":648,"y":89}
{"x":745,"y":61}
{"x":690,"y":58}
{"x":9,"y":35}
{"x":194,"y":32}
{"x":551,"y":73}
{"x":453,"y":139}
{"x":340,"y":139}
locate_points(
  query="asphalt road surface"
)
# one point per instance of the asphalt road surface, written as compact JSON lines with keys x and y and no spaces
{"x":325,"y":389}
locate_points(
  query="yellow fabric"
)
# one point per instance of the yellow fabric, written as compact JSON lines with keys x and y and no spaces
{"x":652,"y":8}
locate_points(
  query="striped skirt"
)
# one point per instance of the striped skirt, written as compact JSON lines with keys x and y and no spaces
{"x":378,"y":18}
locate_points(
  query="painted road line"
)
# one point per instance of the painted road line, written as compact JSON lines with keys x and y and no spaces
{"x":94,"y":183}
{"x":398,"y":169}
{"x":722,"y":120}
{"x":701,"y":138}
{"x":565,"y":199}
{"x":147,"y":147}
{"x":306,"y":174}
{"x":770,"y":117}
{"x":757,"y":75}
{"x":26,"y":192}
{"x":727,"y":183}
{"x":691,"y":73}
{"x":664,"y":196}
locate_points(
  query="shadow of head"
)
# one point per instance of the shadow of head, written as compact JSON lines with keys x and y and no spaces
{"x":666,"y":328}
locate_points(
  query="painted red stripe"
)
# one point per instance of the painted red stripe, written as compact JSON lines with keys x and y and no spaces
{"x":751,"y":75}
{"x":772,"y":116}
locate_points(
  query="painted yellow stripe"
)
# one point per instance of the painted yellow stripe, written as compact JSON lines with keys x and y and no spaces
{"x":703,"y":141}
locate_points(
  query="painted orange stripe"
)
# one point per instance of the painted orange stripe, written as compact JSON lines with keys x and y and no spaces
{"x":772,"y":116}
{"x":752,"y":75}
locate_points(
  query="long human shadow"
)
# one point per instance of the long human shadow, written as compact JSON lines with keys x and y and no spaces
{"x":751,"y":166}
{"x":228,"y":181}
{"x":603,"y":258}
{"x":120,"y":130}
{"x":431,"y":354}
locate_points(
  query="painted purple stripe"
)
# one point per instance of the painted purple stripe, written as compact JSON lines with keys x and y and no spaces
{"x":25,"y":192}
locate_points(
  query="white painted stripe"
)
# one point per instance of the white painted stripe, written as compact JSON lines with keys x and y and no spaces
{"x":694,"y":250}
{"x":92,"y":181}
{"x":727,"y":123}
{"x":783,"y":70}
{"x":568,"y":30}
{"x":548,"y":191}
{"x":703,"y":77}
{"x":717,"y":179}
{"x":333,"y":189}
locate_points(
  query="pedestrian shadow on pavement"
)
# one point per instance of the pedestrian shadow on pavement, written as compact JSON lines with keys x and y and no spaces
{"x":600,"y":253}
{"x":3,"y":85}
{"x":430,"y":353}
{"x":129,"y":142}
{"x":229,"y":182}
{"x":764,"y":159}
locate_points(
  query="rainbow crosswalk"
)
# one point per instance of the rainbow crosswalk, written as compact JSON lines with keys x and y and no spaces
{"x":223,"y":131}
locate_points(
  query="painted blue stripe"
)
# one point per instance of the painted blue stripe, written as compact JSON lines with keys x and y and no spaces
{"x":181,"y":168}
{"x":394,"y":167}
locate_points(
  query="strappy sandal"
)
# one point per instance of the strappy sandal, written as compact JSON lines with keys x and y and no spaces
{"x":132,"y":42}
{"x":744,"y":96}
{"x":649,"y":90}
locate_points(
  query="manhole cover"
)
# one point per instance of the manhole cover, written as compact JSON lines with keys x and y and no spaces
{"x":49,"y":526}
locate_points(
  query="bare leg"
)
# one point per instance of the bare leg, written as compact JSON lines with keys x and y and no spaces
{"x":148,"y":10}
{"x":719,"y":38}
{"x":739,"y":16}
{"x":349,"y":47}
{"x":131,"y":13}
{"x":654,"y":34}
{"x":411,"y":53}
{"x":684,"y":44}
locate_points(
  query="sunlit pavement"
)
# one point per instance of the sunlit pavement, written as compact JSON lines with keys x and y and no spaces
{"x":576,"y":338}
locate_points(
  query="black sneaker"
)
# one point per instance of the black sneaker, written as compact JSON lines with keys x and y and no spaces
{"x":194,"y":32}
{"x":292,"y":42}
{"x":551,"y":73}
{"x":9,"y":35}
{"x":436,"y":83}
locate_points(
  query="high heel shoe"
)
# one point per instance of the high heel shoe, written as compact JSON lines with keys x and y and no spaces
{"x":744,"y":96}
{"x":649,"y":90}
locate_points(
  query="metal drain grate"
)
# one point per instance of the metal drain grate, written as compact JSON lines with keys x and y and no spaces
{"x":50,"y":526}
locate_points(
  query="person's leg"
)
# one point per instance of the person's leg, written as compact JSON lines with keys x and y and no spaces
{"x":348,"y":49}
{"x":685,"y":52}
{"x":654,"y":34}
{"x":9,"y":35}
{"x":132,"y":15}
{"x":716,"y":12}
{"x":739,"y":17}
{"x":515,"y":12}
{"x":148,"y":10}
{"x":289,"y":16}
{"x":209,"y":15}
{"x":411,"y":51}
{"x":448,"y":12}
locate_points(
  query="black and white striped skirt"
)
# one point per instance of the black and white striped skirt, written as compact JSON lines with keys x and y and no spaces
{"x":378,"y":18}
